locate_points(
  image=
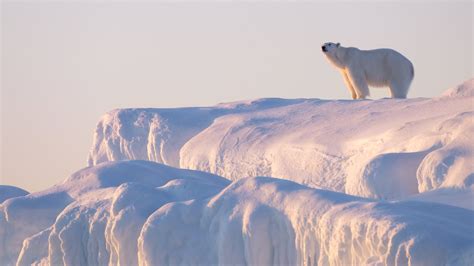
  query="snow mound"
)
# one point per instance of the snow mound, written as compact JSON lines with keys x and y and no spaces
{"x":120,"y":191}
{"x":464,"y":90}
{"x":385,"y":182}
{"x":266,"y":221}
{"x":387,"y":148}
{"x":158,"y":134}
{"x":143,"y":213}
{"x":7,"y":192}
{"x":461,"y":197}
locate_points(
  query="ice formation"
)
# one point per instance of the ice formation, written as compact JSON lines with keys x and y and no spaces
{"x":138,"y":212}
{"x":268,"y":221}
{"x":7,"y":192}
{"x":387,"y":149}
{"x":385,"y":182}
{"x":94,"y":216}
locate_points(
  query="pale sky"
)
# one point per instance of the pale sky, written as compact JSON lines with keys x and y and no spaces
{"x":65,"y":64}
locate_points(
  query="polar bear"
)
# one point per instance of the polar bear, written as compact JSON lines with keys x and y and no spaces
{"x":377,"y":68}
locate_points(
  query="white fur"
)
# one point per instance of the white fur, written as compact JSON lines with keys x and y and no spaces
{"x":377,"y":68}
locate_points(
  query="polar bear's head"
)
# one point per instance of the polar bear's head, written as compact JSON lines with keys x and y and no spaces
{"x":332,"y":52}
{"x":330,"y":47}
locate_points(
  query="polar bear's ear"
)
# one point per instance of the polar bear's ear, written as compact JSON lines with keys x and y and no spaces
{"x":338,"y":44}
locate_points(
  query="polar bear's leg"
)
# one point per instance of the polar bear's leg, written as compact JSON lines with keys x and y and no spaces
{"x":399,"y":89}
{"x":349,"y":85}
{"x":359,"y":83}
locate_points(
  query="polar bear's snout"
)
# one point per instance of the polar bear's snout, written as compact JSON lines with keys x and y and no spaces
{"x":323,"y":48}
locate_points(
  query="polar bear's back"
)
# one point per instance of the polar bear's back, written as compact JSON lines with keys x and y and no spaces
{"x":381,"y":66}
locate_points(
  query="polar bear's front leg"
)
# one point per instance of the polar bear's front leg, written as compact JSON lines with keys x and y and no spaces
{"x":349,"y":85}
{"x":359,"y":83}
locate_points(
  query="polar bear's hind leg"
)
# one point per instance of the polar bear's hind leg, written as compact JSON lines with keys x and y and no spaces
{"x":401,"y":82}
{"x":399,"y":89}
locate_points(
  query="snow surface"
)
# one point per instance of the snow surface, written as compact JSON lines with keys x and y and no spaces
{"x":385,"y":149}
{"x":95,"y":213}
{"x":267,"y":221}
{"x":384,"y":182}
{"x":139,"y":212}
{"x":7,"y":192}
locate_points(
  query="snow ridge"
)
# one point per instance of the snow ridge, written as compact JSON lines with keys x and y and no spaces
{"x":158,"y":134}
{"x":365,"y":148}
{"x":144,"y":213}
{"x":80,"y":207}
{"x":278,"y":222}
{"x":7,"y":192}
{"x":385,"y":182}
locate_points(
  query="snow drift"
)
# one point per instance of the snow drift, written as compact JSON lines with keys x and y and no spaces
{"x":267,"y":221}
{"x":385,"y":182}
{"x":7,"y":192}
{"x":387,"y":149}
{"x":67,"y":223}
{"x":138,"y":212}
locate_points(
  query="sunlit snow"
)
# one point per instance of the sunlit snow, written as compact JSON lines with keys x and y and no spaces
{"x":274,"y":182}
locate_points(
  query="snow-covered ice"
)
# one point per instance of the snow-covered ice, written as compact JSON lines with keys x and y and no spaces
{"x":267,"y":221}
{"x":7,"y":192}
{"x":386,"y":149}
{"x":130,"y":212}
{"x":370,"y":182}
{"x":94,"y":216}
